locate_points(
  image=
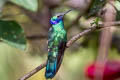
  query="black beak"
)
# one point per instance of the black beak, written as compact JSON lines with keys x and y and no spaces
{"x":67,"y":11}
{"x":61,"y":15}
{"x":64,"y":13}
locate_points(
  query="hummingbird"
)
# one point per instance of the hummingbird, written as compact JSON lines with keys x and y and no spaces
{"x":57,"y":38}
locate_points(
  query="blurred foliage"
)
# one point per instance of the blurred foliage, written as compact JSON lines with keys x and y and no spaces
{"x":95,"y":7}
{"x":15,"y":63}
{"x":117,"y":5}
{"x":2,"y":2}
{"x":118,"y":16}
{"x":33,"y":16}
{"x":31,"y":5}
{"x":12,"y":34}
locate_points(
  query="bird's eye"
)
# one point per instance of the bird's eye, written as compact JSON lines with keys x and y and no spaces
{"x":58,"y":16}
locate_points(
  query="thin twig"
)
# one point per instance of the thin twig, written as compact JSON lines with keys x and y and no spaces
{"x":86,"y":31}
{"x":76,"y":37}
{"x":33,"y":71}
{"x":70,"y":42}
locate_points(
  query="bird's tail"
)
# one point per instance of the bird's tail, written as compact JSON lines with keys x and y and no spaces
{"x":53,"y":63}
{"x":51,"y":67}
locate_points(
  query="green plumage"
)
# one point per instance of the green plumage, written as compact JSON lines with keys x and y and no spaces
{"x":56,"y":45}
{"x":57,"y":39}
{"x":56,"y":34}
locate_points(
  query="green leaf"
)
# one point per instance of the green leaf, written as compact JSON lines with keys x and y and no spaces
{"x":12,"y":34}
{"x":31,"y":5}
{"x":96,"y":22}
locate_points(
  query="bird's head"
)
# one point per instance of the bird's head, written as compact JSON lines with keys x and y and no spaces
{"x":58,"y":17}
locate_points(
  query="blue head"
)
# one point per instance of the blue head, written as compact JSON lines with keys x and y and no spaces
{"x":58,"y":17}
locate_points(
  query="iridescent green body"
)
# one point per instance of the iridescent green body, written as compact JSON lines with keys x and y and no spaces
{"x":56,"y":45}
{"x":57,"y":39}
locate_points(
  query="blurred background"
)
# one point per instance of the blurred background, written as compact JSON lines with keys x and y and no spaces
{"x":34,"y":16}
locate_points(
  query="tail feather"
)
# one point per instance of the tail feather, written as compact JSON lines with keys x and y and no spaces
{"x":53,"y":63}
{"x":50,"y":69}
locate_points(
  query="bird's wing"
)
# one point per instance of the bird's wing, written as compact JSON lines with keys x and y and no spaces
{"x":62,"y":46}
{"x":51,"y":66}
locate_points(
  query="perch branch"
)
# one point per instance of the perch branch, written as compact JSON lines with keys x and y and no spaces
{"x":89,"y":30}
{"x":69,"y":43}
{"x":33,"y":71}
